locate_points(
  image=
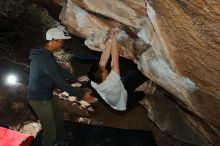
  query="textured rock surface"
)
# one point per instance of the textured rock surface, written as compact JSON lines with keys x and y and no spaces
{"x":169,"y":118}
{"x":191,"y":33}
{"x":180,"y":51}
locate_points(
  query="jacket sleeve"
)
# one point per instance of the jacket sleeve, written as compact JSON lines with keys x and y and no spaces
{"x":67,"y":75}
{"x":51,"y":68}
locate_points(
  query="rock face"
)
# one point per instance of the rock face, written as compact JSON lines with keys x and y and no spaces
{"x":175,"y":43}
{"x":170,"y":119}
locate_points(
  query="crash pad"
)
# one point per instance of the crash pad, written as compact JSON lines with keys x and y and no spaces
{"x":10,"y":137}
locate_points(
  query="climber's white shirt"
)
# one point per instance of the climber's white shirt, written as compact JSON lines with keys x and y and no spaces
{"x":112,"y":91}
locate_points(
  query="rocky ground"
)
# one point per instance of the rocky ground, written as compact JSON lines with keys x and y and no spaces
{"x":17,"y":115}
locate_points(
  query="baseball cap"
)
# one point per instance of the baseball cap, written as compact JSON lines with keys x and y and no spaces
{"x":56,"y":33}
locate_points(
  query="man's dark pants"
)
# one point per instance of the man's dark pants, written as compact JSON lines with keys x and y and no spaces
{"x":51,"y":119}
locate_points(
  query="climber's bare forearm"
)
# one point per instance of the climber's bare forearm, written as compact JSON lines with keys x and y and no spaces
{"x":115,"y":53}
{"x":105,"y":55}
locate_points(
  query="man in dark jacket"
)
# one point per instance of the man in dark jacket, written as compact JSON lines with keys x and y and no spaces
{"x":44,"y":73}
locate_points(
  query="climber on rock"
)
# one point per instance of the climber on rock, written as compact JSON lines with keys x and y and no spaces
{"x":116,"y":91}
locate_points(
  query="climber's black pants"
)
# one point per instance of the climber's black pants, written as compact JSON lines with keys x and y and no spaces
{"x":131,"y":82}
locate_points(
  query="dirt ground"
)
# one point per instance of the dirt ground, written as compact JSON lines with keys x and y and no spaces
{"x":136,"y":118}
